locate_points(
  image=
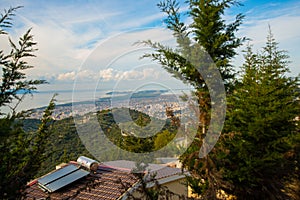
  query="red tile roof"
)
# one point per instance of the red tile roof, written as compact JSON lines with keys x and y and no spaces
{"x":107,"y":183}
{"x":110,"y":181}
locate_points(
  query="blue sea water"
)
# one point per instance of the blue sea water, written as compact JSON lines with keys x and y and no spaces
{"x":42,"y":98}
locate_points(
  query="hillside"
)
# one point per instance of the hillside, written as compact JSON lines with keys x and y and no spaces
{"x":65,"y":143}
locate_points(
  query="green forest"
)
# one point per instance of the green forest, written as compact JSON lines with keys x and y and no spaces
{"x":257,"y":152}
{"x":64,"y":143}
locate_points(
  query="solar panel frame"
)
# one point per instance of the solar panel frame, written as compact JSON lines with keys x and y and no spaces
{"x":66,"y":180}
{"x":57,"y":174}
{"x":61,"y":178}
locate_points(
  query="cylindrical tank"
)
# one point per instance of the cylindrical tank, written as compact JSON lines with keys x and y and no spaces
{"x":88,"y":163}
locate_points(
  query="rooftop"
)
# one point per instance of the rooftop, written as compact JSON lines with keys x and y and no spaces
{"x":160,"y":171}
{"x":105,"y":183}
{"x":109,"y":180}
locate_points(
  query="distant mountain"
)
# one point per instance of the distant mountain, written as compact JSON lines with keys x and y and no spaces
{"x":139,"y":92}
{"x":129,"y":94}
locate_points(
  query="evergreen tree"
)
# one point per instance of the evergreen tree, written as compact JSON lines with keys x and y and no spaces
{"x":262,"y":143}
{"x":21,"y":152}
{"x":208,"y":34}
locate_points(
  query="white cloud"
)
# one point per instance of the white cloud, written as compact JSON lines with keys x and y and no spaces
{"x":107,"y":74}
{"x":284,"y":19}
{"x":67,"y":76}
{"x":284,"y":28}
{"x":110,"y":74}
{"x":286,"y":31}
{"x":131,"y":75}
{"x":151,"y":73}
{"x":115,"y":75}
{"x":119,"y":52}
{"x":84,"y":75}
{"x":68,"y":34}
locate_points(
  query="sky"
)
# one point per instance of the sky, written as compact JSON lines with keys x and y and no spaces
{"x":91,"y":43}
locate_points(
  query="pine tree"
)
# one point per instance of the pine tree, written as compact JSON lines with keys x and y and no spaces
{"x":263,"y":134}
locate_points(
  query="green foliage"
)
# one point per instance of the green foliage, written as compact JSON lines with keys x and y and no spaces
{"x":198,"y":186}
{"x":5,"y":20}
{"x":14,"y":80}
{"x":21,"y":152}
{"x":130,"y":141}
{"x":208,"y":39}
{"x":63,"y":145}
{"x":143,"y":191}
{"x":262,"y":148}
{"x":212,"y":32}
{"x":162,"y":139}
{"x":208,"y":32}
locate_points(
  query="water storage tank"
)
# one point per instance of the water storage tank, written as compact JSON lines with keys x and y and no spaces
{"x":88,"y":163}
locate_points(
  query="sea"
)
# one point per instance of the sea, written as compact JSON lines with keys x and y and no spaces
{"x":42,"y":98}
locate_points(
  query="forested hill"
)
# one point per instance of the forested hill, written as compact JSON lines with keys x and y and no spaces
{"x":65,"y":145}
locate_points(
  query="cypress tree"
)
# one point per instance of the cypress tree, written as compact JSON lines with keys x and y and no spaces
{"x":208,"y":34}
{"x":262,"y":139}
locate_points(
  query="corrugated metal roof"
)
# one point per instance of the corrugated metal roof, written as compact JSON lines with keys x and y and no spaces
{"x":161,"y":171}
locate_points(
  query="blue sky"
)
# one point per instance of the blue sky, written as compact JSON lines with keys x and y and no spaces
{"x":90,"y":42}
